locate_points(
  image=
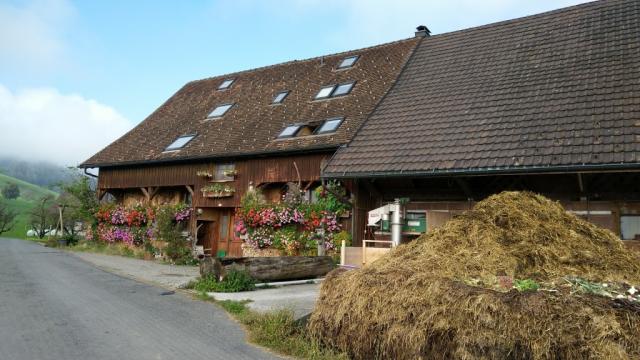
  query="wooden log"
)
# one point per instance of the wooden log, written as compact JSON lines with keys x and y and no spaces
{"x":279,"y":268}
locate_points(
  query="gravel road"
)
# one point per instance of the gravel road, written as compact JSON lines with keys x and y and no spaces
{"x":56,"y":306}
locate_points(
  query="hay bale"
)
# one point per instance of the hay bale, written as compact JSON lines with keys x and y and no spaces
{"x":432,"y":298}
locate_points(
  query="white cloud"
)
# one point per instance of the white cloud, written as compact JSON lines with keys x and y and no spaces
{"x":32,"y":35}
{"x":43,"y":124}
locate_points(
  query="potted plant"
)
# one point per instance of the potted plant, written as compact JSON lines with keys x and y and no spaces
{"x":204,"y":173}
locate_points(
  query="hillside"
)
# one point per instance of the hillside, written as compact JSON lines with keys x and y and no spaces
{"x":39,"y":173}
{"x":29,"y":195}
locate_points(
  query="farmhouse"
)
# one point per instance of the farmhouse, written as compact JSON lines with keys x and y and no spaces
{"x":548,"y":103}
{"x":262,"y":128}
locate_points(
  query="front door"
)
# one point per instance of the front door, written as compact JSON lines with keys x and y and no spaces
{"x":226,"y":246}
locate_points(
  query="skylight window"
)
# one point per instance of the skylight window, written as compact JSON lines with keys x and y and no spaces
{"x":325,"y":92}
{"x":220,"y":110}
{"x":279,"y":98}
{"x":289,"y":131}
{"x":348,"y":62}
{"x":226,"y":84}
{"x":180,"y":142}
{"x":343,"y":89}
{"x":329,"y":126}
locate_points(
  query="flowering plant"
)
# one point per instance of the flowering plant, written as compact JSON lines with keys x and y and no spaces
{"x":183,"y":213}
{"x":133,"y":226}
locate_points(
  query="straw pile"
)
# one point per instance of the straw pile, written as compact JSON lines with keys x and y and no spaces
{"x":435,"y":298}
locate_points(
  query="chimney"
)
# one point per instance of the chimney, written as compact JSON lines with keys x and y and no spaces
{"x":422,"y":31}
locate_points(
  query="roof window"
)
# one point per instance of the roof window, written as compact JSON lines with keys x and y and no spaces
{"x":331,"y":91}
{"x":329,"y":126}
{"x":180,"y":142}
{"x":325,"y":92}
{"x":220,"y":110}
{"x":348,"y":62}
{"x":226,"y":84}
{"x":289,"y":131}
{"x":279,"y":98}
{"x":343,"y":89}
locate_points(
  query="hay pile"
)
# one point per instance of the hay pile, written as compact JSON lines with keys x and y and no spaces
{"x":435,"y":298}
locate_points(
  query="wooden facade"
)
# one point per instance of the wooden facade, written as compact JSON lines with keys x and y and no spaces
{"x":180,"y":182}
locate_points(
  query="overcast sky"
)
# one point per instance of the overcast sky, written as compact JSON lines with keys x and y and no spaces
{"x":76,"y":75}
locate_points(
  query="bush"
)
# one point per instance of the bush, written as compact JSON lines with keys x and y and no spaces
{"x":235,"y":281}
{"x":11,"y":191}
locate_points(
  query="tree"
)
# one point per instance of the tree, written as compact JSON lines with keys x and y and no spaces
{"x":10,"y":191}
{"x":7,"y":219}
{"x":81,"y":197}
{"x":42,"y":217}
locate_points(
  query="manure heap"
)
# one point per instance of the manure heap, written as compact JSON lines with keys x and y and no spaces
{"x":517,"y":277}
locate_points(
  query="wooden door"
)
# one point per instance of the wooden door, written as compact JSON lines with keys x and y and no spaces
{"x":206,"y":236}
{"x":226,"y":245}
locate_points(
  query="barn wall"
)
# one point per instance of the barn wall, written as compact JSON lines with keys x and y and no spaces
{"x":259,"y":171}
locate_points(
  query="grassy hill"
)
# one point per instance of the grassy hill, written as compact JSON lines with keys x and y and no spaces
{"x":29,"y":195}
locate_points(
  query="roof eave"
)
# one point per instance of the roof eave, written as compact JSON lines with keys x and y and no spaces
{"x":88,"y":165}
{"x":612,"y":167}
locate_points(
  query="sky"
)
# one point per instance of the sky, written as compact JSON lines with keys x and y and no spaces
{"x":76,"y":75}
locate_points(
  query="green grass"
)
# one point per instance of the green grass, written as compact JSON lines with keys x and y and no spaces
{"x":22,"y":206}
{"x":278,"y":331}
{"x":115,"y":249}
{"x":234,"y":281}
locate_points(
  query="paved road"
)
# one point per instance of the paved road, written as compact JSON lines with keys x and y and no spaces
{"x":55,"y":306}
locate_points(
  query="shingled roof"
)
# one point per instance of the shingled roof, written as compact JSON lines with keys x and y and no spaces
{"x":252,"y":125}
{"x":554,"y":91}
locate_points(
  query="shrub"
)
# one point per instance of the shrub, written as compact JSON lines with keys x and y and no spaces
{"x":234,"y":281}
{"x":11,"y":191}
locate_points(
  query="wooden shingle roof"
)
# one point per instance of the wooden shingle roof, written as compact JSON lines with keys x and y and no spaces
{"x":550,"y":92}
{"x":253,"y":123}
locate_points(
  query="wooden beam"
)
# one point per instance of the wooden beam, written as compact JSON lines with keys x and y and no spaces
{"x":145,"y":192}
{"x":582,"y":185}
{"x":153,"y":191}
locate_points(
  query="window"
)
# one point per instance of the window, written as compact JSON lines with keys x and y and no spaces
{"x":220,"y":110}
{"x":348,"y":62}
{"x":329,"y":126}
{"x":343,"y":89}
{"x":224,"y":172}
{"x":630,"y":227}
{"x":289,"y":131}
{"x":325,"y":92}
{"x":330,"y":91}
{"x":179,"y":143}
{"x":279,"y":98}
{"x":226,"y":84}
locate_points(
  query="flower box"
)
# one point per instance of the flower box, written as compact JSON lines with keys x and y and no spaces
{"x":218,"y":194}
{"x":230,"y":173}
{"x":204,"y":173}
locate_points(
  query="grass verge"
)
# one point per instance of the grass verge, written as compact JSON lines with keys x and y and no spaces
{"x":277,"y":331}
{"x":115,"y":249}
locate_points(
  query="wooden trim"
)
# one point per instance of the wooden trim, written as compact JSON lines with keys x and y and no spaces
{"x":145,"y":192}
